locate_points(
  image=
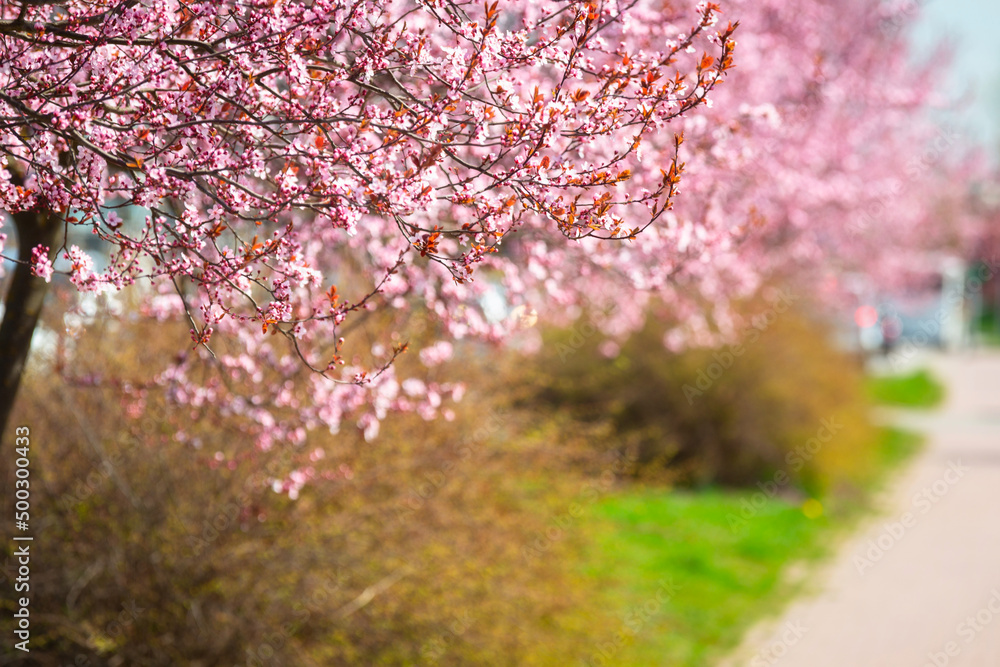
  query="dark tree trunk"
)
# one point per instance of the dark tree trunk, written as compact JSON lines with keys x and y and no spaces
{"x":23,"y":304}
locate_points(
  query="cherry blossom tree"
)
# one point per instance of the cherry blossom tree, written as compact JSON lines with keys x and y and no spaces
{"x":271,"y":170}
{"x":818,"y":158}
{"x":274,"y":173}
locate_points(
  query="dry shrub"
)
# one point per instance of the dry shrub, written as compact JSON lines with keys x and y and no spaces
{"x":732,"y":415}
{"x":440,"y":543}
{"x":412,"y":550}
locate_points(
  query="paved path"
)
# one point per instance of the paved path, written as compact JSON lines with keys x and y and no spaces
{"x":919,"y":586}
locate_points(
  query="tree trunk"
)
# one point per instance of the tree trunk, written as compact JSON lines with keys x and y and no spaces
{"x":23,"y":304}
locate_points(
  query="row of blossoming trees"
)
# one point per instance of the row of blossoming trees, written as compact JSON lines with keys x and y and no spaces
{"x":274,"y":171}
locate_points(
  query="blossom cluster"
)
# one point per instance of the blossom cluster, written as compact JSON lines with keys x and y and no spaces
{"x":273,"y":172}
{"x":284,"y":167}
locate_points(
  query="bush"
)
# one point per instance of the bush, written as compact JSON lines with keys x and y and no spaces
{"x":780,"y":398}
{"x":440,"y":543}
{"x":407,"y":550}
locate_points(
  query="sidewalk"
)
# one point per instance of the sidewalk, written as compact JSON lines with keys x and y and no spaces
{"x":919,"y":585}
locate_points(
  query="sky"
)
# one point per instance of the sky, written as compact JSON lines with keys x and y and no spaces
{"x":972,"y":28}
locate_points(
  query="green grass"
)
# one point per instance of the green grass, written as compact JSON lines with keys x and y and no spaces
{"x":729,"y":564}
{"x":989,"y":337}
{"x":987,"y":327}
{"x":896,"y":446}
{"x":916,"y":390}
{"x":724,"y":578}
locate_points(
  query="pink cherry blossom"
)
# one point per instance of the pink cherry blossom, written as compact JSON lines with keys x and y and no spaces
{"x":41,"y":265}
{"x":272,"y":173}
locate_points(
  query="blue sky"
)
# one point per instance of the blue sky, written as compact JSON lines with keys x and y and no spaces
{"x":972,"y":27}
